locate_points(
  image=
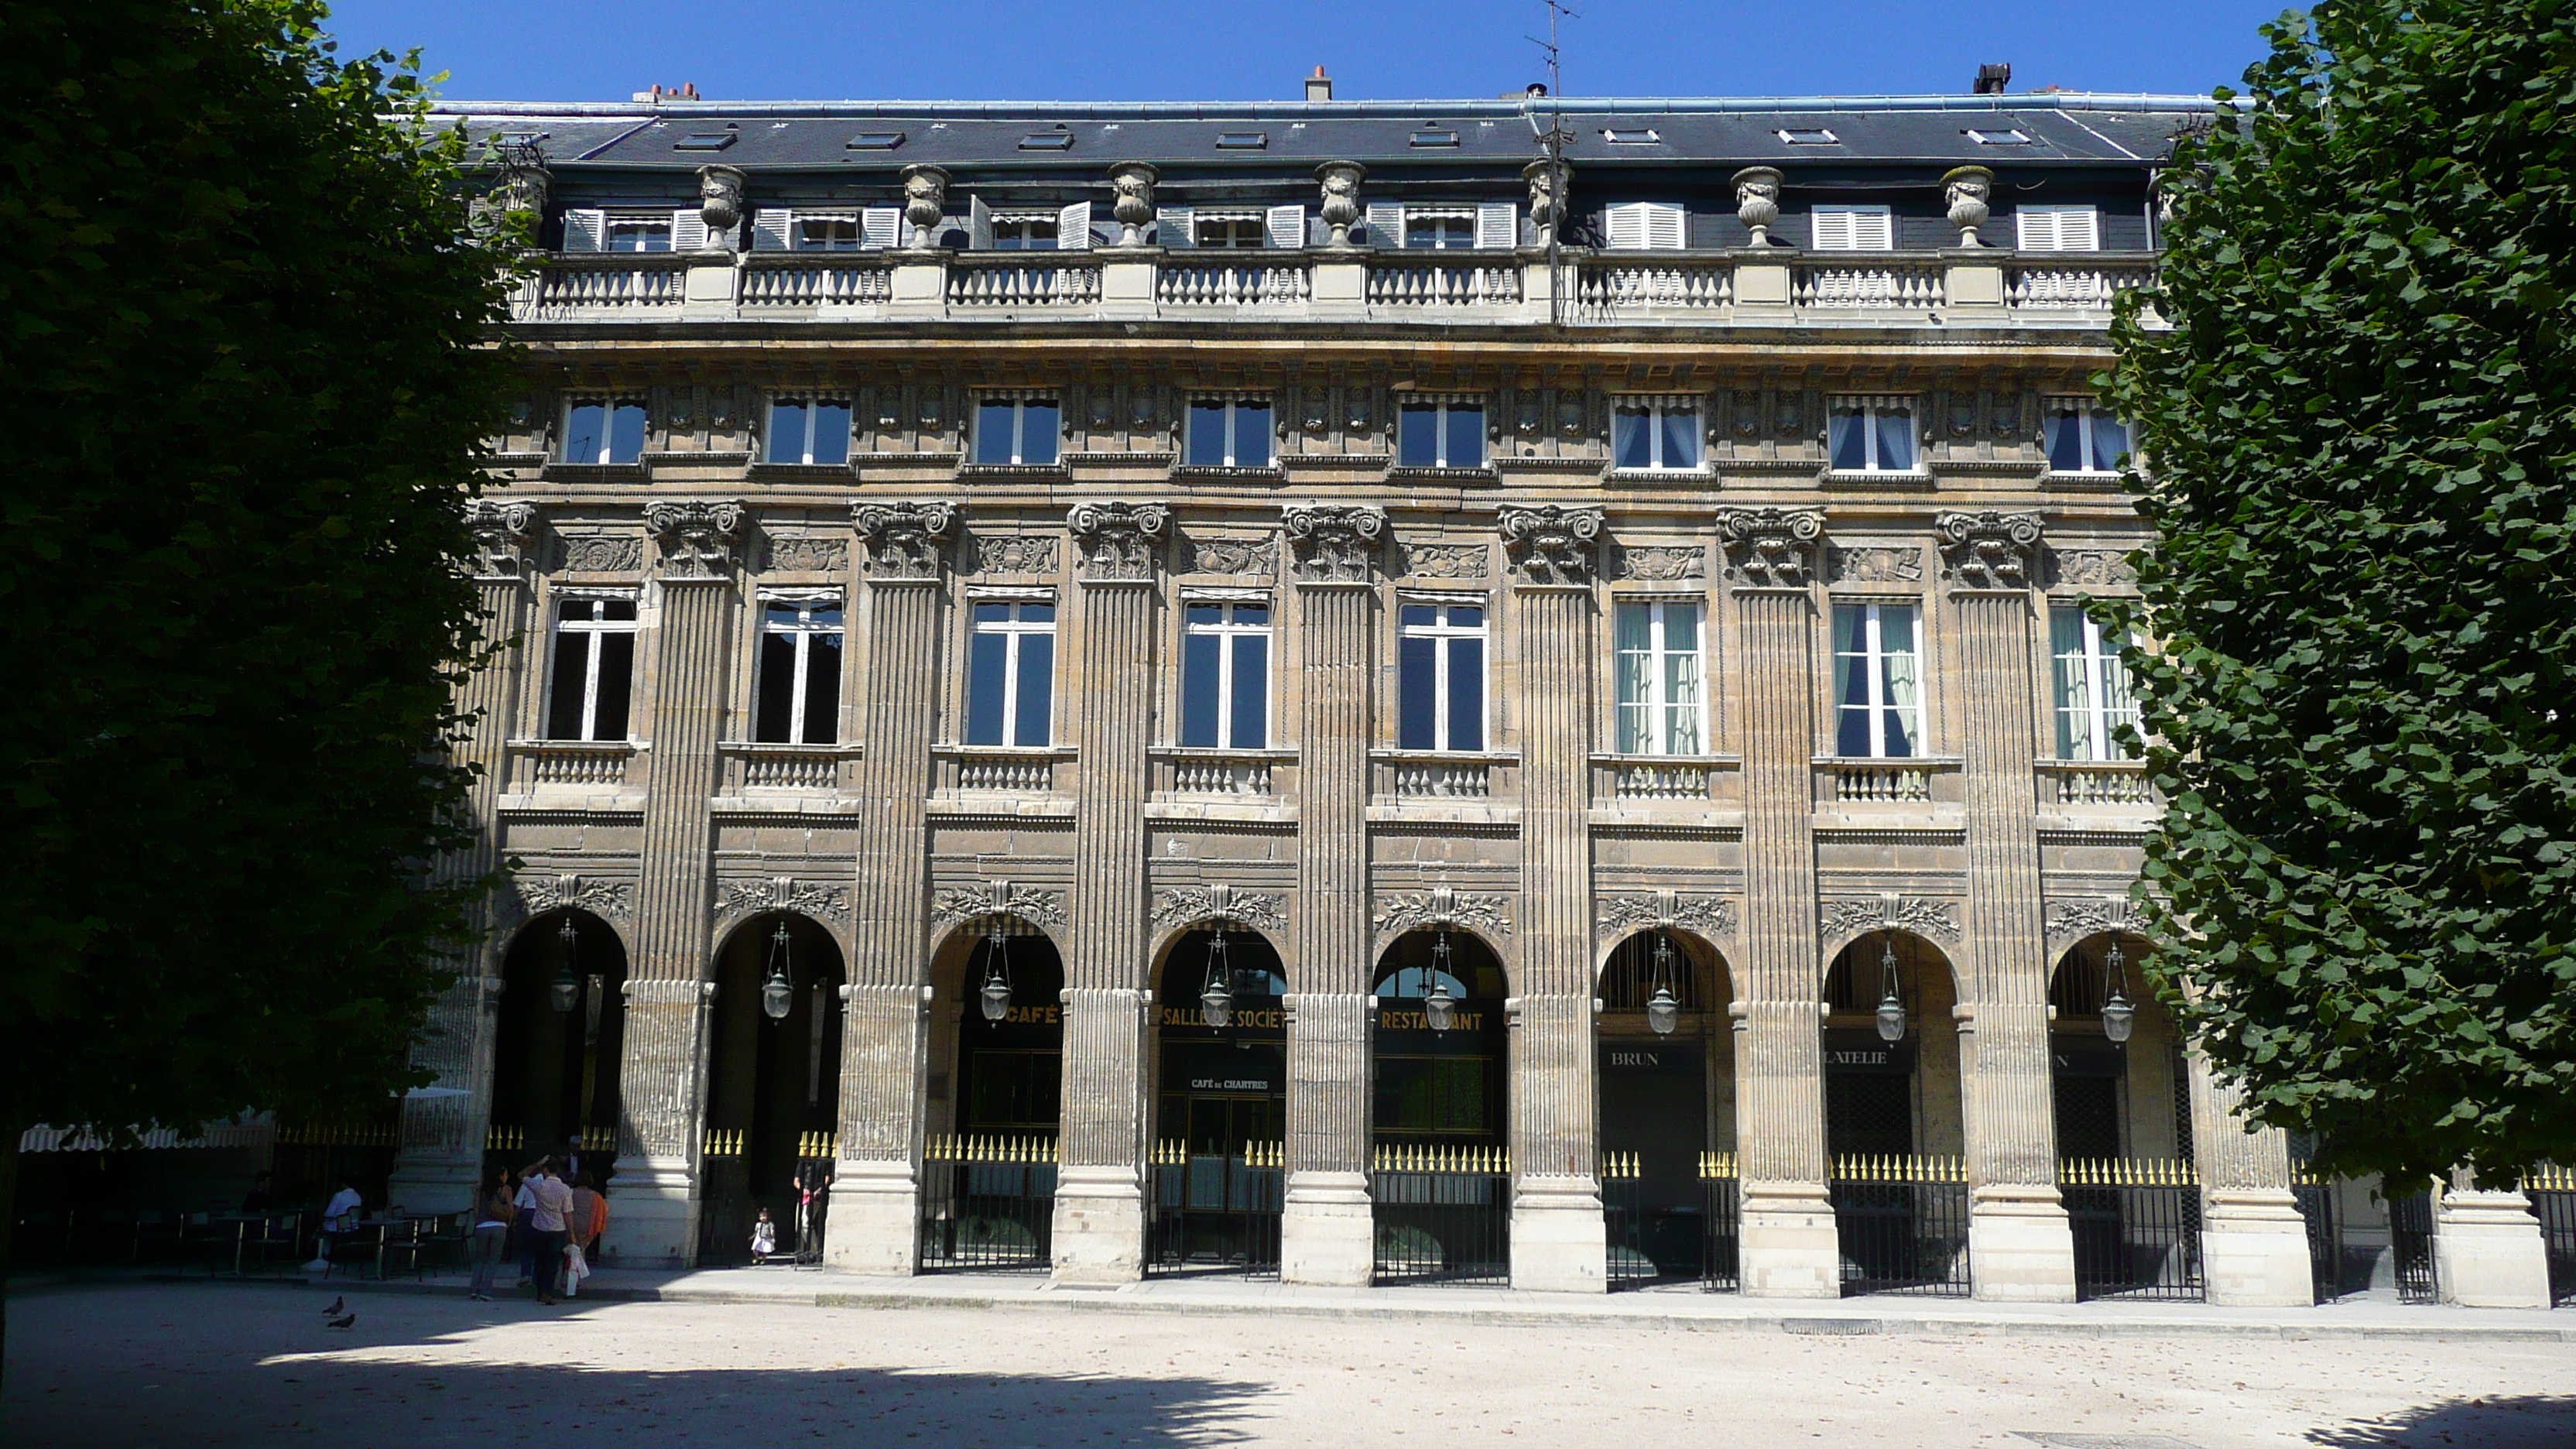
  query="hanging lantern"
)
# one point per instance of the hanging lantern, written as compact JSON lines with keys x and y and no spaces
{"x":565,"y":989}
{"x":1891,"y":1002}
{"x":776,"y":993}
{"x":1439,"y":1005}
{"x":2119,"y":1018}
{"x":1663,"y":1008}
{"x":1216,"y":1000}
{"x":996,"y":995}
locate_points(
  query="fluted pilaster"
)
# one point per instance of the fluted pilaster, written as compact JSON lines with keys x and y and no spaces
{"x":2254,"y":1243}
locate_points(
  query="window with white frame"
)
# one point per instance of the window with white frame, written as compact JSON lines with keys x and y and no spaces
{"x":2058,"y":228}
{"x":809,"y":430}
{"x":1021,"y":431}
{"x":603,"y":430}
{"x":1878,"y":653}
{"x":1228,"y":433}
{"x":1440,"y":676}
{"x":2093,"y":698}
{"x":1225,"y":675}
{"x":1655,"y":433}
{"x":1024,"y":233}
{"x":869,"y":228}
{"x":1439,"y":229}
{"x":1871,"y":435}
{"x":1852,"y":229}
{"x":1483,"y":225}
{"x":1646,"y":226}
{"x":799,"y":698}
{"x":1661,"y":706}
{"x":2082,"y":437}
{"x":1010,"y":678}
{"x":594,"y":668}
{"x":637,"y":234}
{"x":1440,"y":433}
{"x":1237,"y":232}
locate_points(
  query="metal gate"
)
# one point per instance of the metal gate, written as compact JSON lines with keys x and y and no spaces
{"x":1216,"y":1212}
{"x":1721,"y":1260}
{"x":2552,"y":1191}
{"x":1902,"y":1224}
{"x":2410,"y":1243}
{"x":1442,"y":1214}
{"x":988,"y":1202}
{"x":2136,"y":1223}
{"x":2317,"y":1208}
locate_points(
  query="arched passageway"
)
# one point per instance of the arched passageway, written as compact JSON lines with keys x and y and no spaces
{"x":1895,"y":1122}
{"x":773,"y":1086}
{"x":556,"y":1046}
{"x":1221,"y":1103}
{"x":2122,"y":1104}
{"x":1667,"y":1063}
{"x":1441,"y":1179}
{"x":995,"y":1099}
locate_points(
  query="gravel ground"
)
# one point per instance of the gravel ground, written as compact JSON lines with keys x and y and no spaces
{"x":220,"y":1365}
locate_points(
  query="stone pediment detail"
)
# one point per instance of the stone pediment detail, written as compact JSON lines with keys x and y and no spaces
{"x":1446,"y":560}
{"x":1659,"y":563}
{"x":1182,"y":905}
{"x":1404,"y":911}
{"x":952,"y":904}
{"x":1934,"y":920}
{"x":799,"y":553}
{"x":1873,"y":564}
{"x":600,"y":553}
{"x":1014,"y":553}
{"x":783,"y":893}
{"x":1627,"y":913}
{"x":612,"y":900}
{"x":1232,"y":556}
{"x":2073,"y":920}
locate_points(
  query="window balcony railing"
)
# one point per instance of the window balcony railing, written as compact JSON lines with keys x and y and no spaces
{"x":1613,"y":288}
{"x":1011,"y":282}
{"x":775,"y":281}
{"x":1001,"y":769}
{"x":605,"y":287}
{"x":1883,"y":284}
{"x":1217,"y":774}
{"x":1243,"y":287}
{"x":1429,"y":775}
{"x":1408,"y":285}
{"x":1847,"y":781}
{"x":2074,"y":286}
{"x":1659,"y":779}
{"x":2096,"y":782}
{"x":785,"y":767}
{"x":592,"y":764}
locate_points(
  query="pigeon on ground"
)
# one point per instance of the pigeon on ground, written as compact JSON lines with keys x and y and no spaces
{"x":337,"y":1304}
{"x":350,"y":1321}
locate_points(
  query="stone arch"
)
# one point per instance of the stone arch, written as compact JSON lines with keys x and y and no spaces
{"x":1906,"y":1097}
{"x":2114,"y":1099}
{"x":772,"y":1084}
{"x":1482,"y":917}
{"x":556,"y":1053}
{"x":1913,"y":947}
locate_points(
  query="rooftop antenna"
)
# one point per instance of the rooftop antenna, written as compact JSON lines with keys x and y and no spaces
{"x":1551,"y":145}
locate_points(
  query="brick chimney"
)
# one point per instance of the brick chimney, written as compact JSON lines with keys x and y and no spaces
{"x":1319,"y":86}
{"x":1991,"y":79}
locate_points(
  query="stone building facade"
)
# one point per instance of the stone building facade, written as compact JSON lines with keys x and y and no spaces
{"x":952,"y":545}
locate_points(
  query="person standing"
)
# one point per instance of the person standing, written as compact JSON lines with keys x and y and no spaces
{"x":523,"y":1222}
{"x":764,"y":1238}
{"x":554,"y":1202}
{"x":579,"y":1232}
{"x":491,"y":1236}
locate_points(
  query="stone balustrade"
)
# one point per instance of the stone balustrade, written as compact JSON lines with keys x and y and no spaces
{"x":2096,"y":782}
{"x":593,"y":764}
{"x":785,"y":767}
{"x":1000,"y":769}
{"x":1886,"y":782}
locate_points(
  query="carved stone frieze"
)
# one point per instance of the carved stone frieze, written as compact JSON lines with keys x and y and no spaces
{"x":952,"y":904}
{"x":1988,"y":550}
{"x":1115,"y":542}
{"x":1016,"y":553}
{"x":2092,"y":567}
{"x":1440,"y":906}
{"x":1446,"y":560}
{"x":1702,"y":915}
{"x":1551,"y":544}
{"x":783,"y":893}
{"x":1232,"y":556}
{"x":1334,"y":544}
{"x":696,"y":538}
{"x":1875,"y":565}
{"x":905,"y":540}
{"x":600,"y":553}
{"x":612,"y":900}
{"x":1770,"y":548}
{"x":1659,"y":563}
{"x":1936,"y":920}
{"x":501,"y":533}
{"x":799,"y":553}
{"x":2073,"y":920}
{"x":1182,"y":905}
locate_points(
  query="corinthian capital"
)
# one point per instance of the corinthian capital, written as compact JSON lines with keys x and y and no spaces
{"x":501,"y":532}
{"x":1551,"y":544}
{"x":1117,"y":540}
{"x":696,"y":539}
{"x":1988,"y":550}
{"x":1334,"y":545}
{"x":905,"y":540}
{"x":1770,"y":548}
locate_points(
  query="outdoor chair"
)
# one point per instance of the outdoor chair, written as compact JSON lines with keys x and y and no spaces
{"x":358,"y":1249}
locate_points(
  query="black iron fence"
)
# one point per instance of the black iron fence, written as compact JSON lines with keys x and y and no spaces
{"x":1653,"y":1239}
{"x":988,"y":1202}
{"x":1721,"y":1261}
{"x":816,"y":1152}
{"x":1902,"y":1224}
{"x":2136,"y":1222}
{"x":2410,"y":1246}
{"x":1217,"y":1212}
{"x":1442,"y":1214}
{"x":2319,"y":1209}
{"x":2552,"y":1191}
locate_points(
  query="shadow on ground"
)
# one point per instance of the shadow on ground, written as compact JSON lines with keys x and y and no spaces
{"x":2527,"y":1421}
{"x":139,"y":1371}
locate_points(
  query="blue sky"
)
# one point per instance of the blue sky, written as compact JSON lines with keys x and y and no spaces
{"x":1376,"y":49}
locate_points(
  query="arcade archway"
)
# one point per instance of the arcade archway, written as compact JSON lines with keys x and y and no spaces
{"x":1221,"y":1098}
{"x":773,"y":1086}
{"x":556,"y":1045}
{"x":1667,"y":1064}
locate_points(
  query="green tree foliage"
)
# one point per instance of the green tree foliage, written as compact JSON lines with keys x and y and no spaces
{"x":2362,"y":430}
{"x":247,"y":369}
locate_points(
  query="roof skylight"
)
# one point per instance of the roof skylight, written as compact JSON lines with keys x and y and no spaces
{"x":876,"y":140}
{"x":1431,"y":134}
{"x":1242,"y":140}
{"x":1059,"y":139}
{"x":1807,"y":136}
{"x":2002,"y":138}
{"x":704,"y":141}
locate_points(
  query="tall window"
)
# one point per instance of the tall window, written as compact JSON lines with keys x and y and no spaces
{"x":1225,"y":676}
{"x":1440,"y":435}
{"x":1660,"y":710}
{"x":594,"y":669}
{"x":2082,"y":438}
{"x":1016,"y":430}
{"x":800,"y":672}
{"x":1010,"y":681}
{"x":1878,"y":651}
{"x":1654,"y":433}
{"x":1439,"y":230}
{"x":603,"y":430}
{"x":1229,"y":434}
{"x":2093,"y":698}
{"x":828,"y":234}
{"x":1872,"y":435}
{"x":1440,"y":663}
{"x":809,"y":430}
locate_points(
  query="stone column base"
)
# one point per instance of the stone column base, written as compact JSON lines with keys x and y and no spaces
{"x":1786,"y":1246}
{"x":2254,"y":1249}
{"x":1558,"y":1242}
{"x":873,"y":1218}
{"x":2020,"y":1249}
{"x":1328,"y":1233}
{"x":2488,"y":1251}
{"x":1099,"y":1225}
{"x":653,"y":1221}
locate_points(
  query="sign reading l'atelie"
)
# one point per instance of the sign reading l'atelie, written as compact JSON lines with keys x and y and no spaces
{"x":1862,"y":1051}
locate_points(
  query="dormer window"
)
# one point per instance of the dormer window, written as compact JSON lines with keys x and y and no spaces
{"x":1047,"y":141}
{"x":704,"y":141}
{"x":635,"y":234}
{"x":876,"y":140}
{"x":1853,"y":229}
{"x":2058,"y":228}
{"x":2001,"y":138}
{"x":1807,"y":136}
{"x":1242,"y":140}
{"x":1646,"y":226}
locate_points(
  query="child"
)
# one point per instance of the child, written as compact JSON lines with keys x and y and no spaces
{"x":764,"y":1238}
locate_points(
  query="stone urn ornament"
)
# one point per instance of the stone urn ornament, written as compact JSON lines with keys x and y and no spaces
{"x":1757,"y":201}
{"x":1341,"y":208}
{"x":1966,"y":188}
{"x":1546,"y":186}
{"x":720,"y":204}
{"x":1134,"y":208}
{"x":925,"y":202}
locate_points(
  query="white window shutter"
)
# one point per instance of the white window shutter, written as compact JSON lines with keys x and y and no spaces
{"x":773,"y":230}
{"x":688,"y":230}
{"x":2038,"y":229}
{"x":2079,"y":229}
{"x":1666,"y":227}
{"x":1172,"y":226}
{"x":1626,"y":226}
{"x":1286,"y":226}
{"x":1386,"y":224}
{"x":585,"y":231}
{"x":1873,"y":229}
{"x":1498,"y":226}
{"x":979,"y":225}
{"x":880,"y":228}
{"x":1833,"y":229}
{"x":1073,"y":228}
